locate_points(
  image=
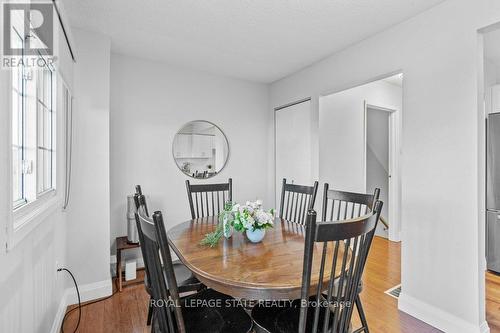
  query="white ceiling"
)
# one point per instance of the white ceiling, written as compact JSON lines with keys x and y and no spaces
{"x":257,"y":40}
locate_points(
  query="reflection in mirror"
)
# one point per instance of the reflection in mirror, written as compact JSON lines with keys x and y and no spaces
{"x":200,"y":149}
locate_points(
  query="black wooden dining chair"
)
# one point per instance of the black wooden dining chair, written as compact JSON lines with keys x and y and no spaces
{"x":140,"y":203}
{"x":203,"y":312}
{"x":330,"y":311}
{"x":185,"y":278}
{"x":138,"y":192}
{"x":341,"y":205}
{"x":208,"y":199}
{"x":296,"y":200}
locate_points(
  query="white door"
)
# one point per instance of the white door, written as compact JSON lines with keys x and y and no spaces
{"x":382,"y":165}
{"x":378,"y":167}
{"x":293,"y":145}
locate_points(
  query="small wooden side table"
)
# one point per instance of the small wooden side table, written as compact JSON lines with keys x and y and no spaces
{"x":121,"y":245}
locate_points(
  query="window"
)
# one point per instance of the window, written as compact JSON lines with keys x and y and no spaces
{"x":33,"y":132}
{"x":45,"y":120}
{"x":35,"y":122}
{"x":18,"y":129}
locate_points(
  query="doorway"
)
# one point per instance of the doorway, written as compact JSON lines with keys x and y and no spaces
{"x":379,"y":162}
{"x":353,"y":123}
{"x":489,"y":133}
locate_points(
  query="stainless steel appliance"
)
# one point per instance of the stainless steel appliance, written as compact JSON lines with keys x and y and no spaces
{"x":493,"y":193}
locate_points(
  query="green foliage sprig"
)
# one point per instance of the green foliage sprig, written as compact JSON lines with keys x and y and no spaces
{"x":213,"y":238}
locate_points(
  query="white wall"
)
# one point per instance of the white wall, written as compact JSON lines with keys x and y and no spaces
{"x":150,"y":102}
{"x":443,"y":243}
{"x":32,"y":293}
{"x":88,"y":211}
{"x":293,"y":147}
{"x":342,"y":132}
{"x":31,"y":289}
{"x":342,"y":154}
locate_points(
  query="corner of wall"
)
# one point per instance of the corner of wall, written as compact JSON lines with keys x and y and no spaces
{"x":436,"y":317}
{"x":88,"y":227}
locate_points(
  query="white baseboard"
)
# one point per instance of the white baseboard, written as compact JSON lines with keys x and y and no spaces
{"x":89,"y":292}
{"x":436,"y":317}
{"x":395,"y":238}
{"x":61,"y":311}
{"x":484,"y":328}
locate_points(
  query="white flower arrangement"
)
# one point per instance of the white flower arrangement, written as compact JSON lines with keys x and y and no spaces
{"x":250,"y":216}
{"x":247,"y":217}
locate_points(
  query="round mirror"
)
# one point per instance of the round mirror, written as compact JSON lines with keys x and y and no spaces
{"x":200,"y":149}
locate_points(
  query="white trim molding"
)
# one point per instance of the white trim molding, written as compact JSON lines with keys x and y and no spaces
{"x":484,"y":328}
{"x":22,"y":225}
{"x":90,"y":292}
{"x":438,"y":318}
{"x":61,"y":311}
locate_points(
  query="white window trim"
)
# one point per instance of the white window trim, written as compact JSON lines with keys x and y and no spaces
{"x":27,"y":217}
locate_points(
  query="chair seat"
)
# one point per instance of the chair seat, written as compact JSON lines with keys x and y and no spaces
{"x":283,"y":317}
{"x":183,"y":275}
{"x":212,"y":312}
{"x":186,"y":281}
{"x":336,"y":288}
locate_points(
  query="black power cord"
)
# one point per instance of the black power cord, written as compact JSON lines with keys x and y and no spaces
{"x":79,"y":302}
{"x":90,"y":303}
{"x":80,"y":305}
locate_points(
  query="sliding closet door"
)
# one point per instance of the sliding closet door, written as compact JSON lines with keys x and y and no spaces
{"x":293,"y":145}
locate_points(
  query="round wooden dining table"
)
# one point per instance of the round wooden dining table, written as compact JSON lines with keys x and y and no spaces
{"x":269,"y":270}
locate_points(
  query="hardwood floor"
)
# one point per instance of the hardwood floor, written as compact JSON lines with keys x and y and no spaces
{"x":493,"y":301}
{"x":382,"y":272}
{"x":126,"y":311}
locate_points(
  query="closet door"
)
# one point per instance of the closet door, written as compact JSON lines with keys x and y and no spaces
{"x":293,"y":145}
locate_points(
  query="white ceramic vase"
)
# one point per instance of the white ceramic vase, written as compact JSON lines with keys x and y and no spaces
{"x":255,"y":236}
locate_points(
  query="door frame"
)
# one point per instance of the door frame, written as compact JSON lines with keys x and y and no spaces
{"x":276,"y":109}
{"x":394,"y":180}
